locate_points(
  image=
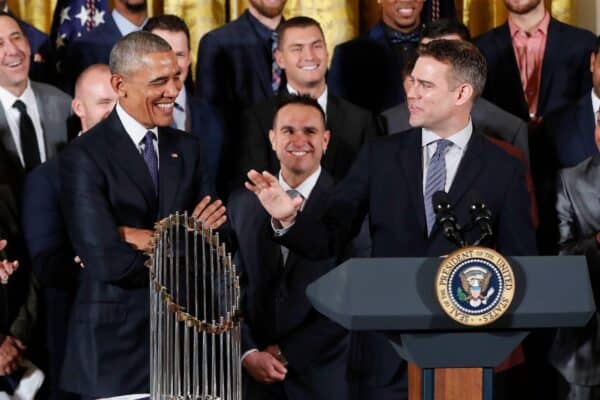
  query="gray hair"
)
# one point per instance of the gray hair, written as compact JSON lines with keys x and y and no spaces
{"x":126,"y":55}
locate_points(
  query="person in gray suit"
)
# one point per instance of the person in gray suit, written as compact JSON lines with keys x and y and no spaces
{"x":575,"y":352}
{"x":487,"y":117}
{"x":33,"y":115}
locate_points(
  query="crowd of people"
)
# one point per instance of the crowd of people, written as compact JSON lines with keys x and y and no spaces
{"x":301,"y":162}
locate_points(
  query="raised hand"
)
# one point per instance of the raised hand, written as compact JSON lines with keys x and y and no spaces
{"x":273,"y":198}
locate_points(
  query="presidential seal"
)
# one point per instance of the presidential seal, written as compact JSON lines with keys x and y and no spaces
{"x":475,"y":285}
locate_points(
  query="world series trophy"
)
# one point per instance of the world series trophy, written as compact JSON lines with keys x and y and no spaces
{"x":195,"y":327}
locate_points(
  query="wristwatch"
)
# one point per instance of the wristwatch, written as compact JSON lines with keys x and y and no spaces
{"x":281,"y":358}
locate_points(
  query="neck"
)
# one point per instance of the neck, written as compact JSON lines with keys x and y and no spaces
{"x":315,"y":91}
{"x":450,"y":126}
{"x":17,"y":89}
{"x":403,"y":29}
{"x":530,"y":20}
{"x":271,"y":23}
{"x":294,"y":180}
{"x":136,"y":18}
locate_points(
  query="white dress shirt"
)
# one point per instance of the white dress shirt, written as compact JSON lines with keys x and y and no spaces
{"x":453,"y":154}
{"x":13,"y":117}
{"x":322,"y":100}
{"x":595,"y":103}
{"x":124,"y":25}
{"x":179,"y":116}
{"x":137,"y":131}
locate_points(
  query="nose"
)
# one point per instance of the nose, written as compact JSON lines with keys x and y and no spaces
{"x":172,"y":88}
{"x":298,"y":139}
{"x":307,"y":53}
{"x":11,"y":47}
{"x":411,"y":88}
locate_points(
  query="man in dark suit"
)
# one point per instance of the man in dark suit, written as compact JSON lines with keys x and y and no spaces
{"x":127,"y":172}
{"x":367,"y":70}
{"x":487,"y":117}
{"x":302,"y":54}
{"x":236,"y":69}
{"x":571,"y":129}
{"x":574,"y":352}
{"x":290,"y":351}
{"x":394,"y":178}
{"x":536,"y":64}
{"x":191,"y":114}
{"x":94,"y":47}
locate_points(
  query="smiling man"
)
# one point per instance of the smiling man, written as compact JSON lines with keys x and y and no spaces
{"x":302,"y":54}
{"x":290,"y":351}
{"x":118,"y":179}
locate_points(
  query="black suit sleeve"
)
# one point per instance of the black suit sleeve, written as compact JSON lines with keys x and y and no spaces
{"x":90,"y":222}
{"x":255,"y":146}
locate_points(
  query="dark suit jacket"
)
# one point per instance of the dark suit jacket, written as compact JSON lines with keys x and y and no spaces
{"x":106,"y":184}
{"x":276,"y":309}
{"x":386,"y":182}
{"x":487,"y":118}
{"x":575,"y":351}
{"x":571,"y":131}
{"x":565,"y":70}
{"x":92,"y":47}
{"x":367,"y":71}
{"x":350,"y":128}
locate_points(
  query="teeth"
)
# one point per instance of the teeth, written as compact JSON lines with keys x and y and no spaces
{"x":15,"y":64}
{"x":166,"y":106}
{"x":309,"y":67}
{"x":299,"y":153}
{"x":405,"y":11}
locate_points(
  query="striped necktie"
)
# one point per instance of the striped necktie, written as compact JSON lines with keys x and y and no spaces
{"x":436,"y":179}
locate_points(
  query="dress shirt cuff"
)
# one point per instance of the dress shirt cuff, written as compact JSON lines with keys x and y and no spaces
{"x":278,"y":228}
{"x":247,"y":353}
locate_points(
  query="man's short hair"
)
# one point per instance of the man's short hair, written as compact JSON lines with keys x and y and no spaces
{"x":296,"y":22}
{"x":92,"y":68}
{"x":466,"y":61}
{"x":301,"y":99}
{"x":444,"y":27}
{"x":170,"y":23}
{"x":597,"y":46}
{"x":126,"y":55}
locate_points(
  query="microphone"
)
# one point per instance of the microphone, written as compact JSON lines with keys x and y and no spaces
{"x":481,"y":216}
{"x":444,"y":217}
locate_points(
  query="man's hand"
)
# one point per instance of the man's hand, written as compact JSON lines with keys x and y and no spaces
{"x":140,"y":239}
{"x":211,"y":214}
{"x":11,"y":351}
{"x":264,"y":368}
{"x":273,"y":198}
{"x":6,"y":267}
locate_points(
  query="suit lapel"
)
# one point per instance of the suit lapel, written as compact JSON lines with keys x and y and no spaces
{"x":587,"y":125}
{"x":410,"y":158}
{"x":508,"y":67}
{"x":553,"y":46}
{"x":128,"y":157}
{"x":335,"y":123}
{"x":169,"y":171}
{"x":45,"y":115}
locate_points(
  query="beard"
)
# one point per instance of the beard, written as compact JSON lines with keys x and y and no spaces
{"x":135,"y":8}
{"x":522,"y":8}
{"x":268,"y":11}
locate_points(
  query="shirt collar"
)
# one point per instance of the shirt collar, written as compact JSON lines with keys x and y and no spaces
{"x":181,"y":98}
{"x":134,"y":129}
{"x":322,"y":100}
{"x":306,"y":187}
{"x":459,"y":139}
{"x":8,"y":99}
{"x":541,"y":27}
{"x":263,"y":31}
{"x":124,"y":25}
{"x":595,"y":103}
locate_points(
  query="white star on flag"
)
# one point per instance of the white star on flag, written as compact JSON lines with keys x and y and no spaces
{"x":64,"y":15}
{"x":98,"y":17}
{"x":83,"y":15}
{"x":60,"y":40}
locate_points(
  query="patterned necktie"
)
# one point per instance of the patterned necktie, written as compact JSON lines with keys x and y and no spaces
{"x":29,"y":143}
{"x":411,"y":37}
{"x":275,"y":69}
{"x":436,"y":179}
{"x":150,"y":157}
{"x":284,"y":250}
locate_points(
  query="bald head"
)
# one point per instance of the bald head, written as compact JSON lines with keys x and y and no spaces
{"x":94,"y":96}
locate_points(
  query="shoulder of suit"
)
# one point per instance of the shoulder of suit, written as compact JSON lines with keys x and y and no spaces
{"x":486,"y":37}
{"x":233,"y":30}
{"x":351,"y":108}
{"x":572,"y":174}
{"x":498,"y":154}
{"x":580,"y":33}
{"x":43,"y":89}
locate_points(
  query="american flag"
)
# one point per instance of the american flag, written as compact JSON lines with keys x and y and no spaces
{"x":73,"y":18}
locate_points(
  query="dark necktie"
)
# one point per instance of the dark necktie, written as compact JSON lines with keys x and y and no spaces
{"x":275,"y":69}
{"x":411,"y":37}
{"x":150,"y":158}
{"x":29,"y":143}
{"x":436,"y":179}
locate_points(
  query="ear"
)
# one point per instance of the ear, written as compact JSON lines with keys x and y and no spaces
{"x":279,"y":58}
{"x":592,"y":62}
{"x":326,"y":138}
{"x":272,"y":138}
{"x":77,"y":107}
{"x":118,"y":85}
{"x":465,"y":93}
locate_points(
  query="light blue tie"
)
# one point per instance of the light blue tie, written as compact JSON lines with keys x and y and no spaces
{"x":150,"y":158}
{"x":436,"y":179}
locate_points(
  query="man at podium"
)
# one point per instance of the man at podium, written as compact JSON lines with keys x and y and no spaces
{"x":393,"y":181}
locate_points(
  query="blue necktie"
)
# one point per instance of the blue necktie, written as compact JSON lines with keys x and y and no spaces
{"x":150,"y":158}
{"x":436,"y":179}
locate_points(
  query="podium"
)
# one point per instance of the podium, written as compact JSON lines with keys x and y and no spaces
{"x":397,"y":296}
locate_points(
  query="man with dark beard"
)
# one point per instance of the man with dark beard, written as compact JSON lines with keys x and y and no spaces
{"x":94,"y":47}
{"x":237,"y":69}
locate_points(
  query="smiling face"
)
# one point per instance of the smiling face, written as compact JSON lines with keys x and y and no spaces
{"x":299,"y":139}
{"x":15,"y":55}
{"x":148,"y":93}
{"x":179,"y":43}
{"x":401,"y":15}
{"x":303,"y":55}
